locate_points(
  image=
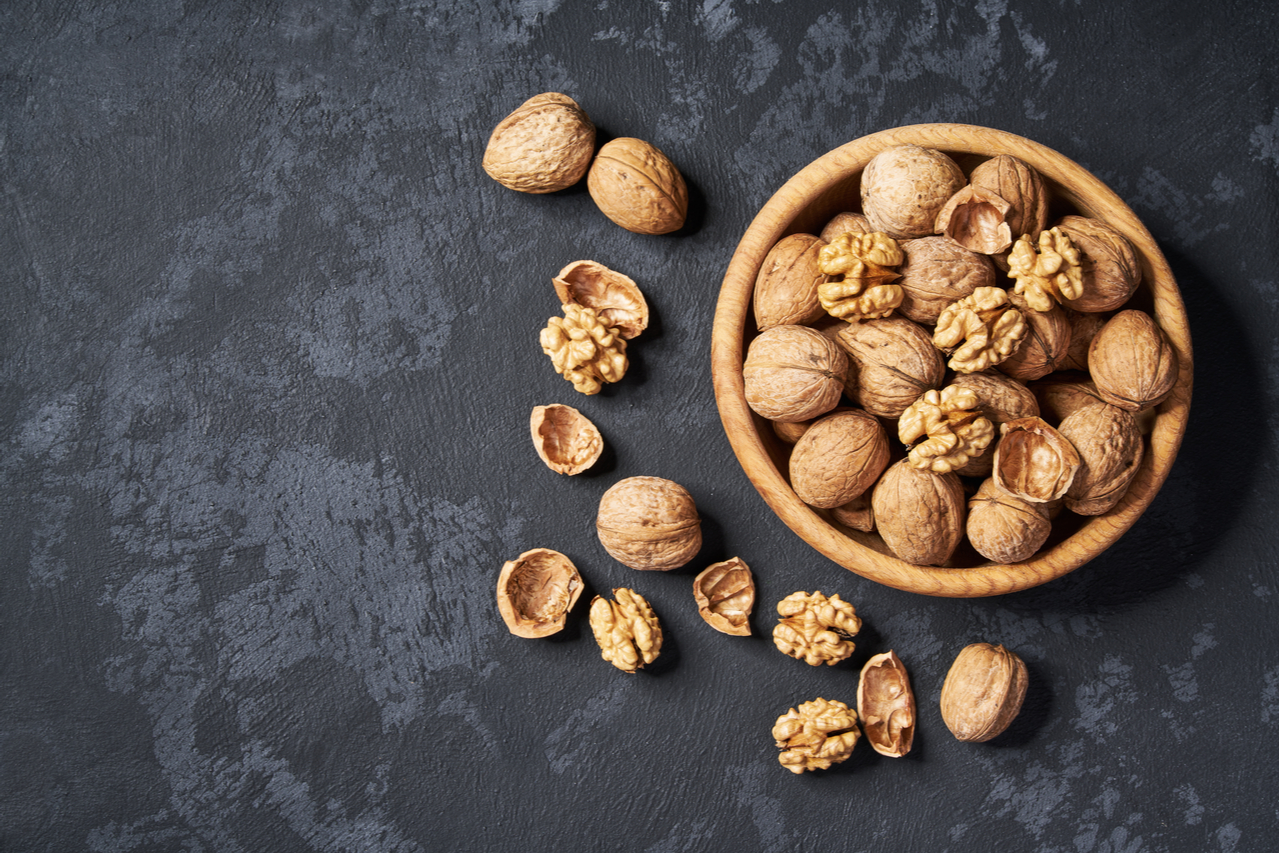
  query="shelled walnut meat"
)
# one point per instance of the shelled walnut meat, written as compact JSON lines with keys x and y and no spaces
{"x":726,"y":593}
{"x":816,"y":735}
{"x":649,"y":523}
{"x":584,"y":349}
{"x":626,"y":629}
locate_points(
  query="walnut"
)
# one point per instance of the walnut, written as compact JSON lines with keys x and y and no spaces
{"x":1061,"y":394}
{"x":626,"y":629}
{"x":1003,"y":528}
{"x":919,"y":514}
{"x":1021,"y":186}
{"x":864,"y":288}
{"x":1045,"y":345}
{"x":856,"y":514}
{"x":638,"y":187}
{"x":786,"y":290}
{"x":894,"y":362}
{"x":816,"y":735}
{"x":793,"y":373}
{"x":543,"y":146}
{"x":649,"y":523}
{"x":943,"y":430}
{"x":1132,"y":362}
{"x":725,"y":593}
{"x":1110,"y":445}
{"x":936,"y":273}
{"x":536,"y":591}
{"x":976,"y":219}
{"x":614,"y":297}
{"x":1034,"y":461}
{"x":979,"y":331}
{"x":838,"y":458}
{"x":1083,"y":329}
{"x":886,"y":705}
{"x":790,"y":433}
{"x":1110,"y":271}
{"x":583,"y":349}
{"x":816,"y":629}
{"x":566,"y":440}
{"x":842,"y":222}
{"x":1000,"y":400}
{"x":983,"y":692}
{"x":1047,"y":273}
{"x":904,"y":187}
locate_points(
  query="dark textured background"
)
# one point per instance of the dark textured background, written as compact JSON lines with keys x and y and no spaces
{"x":268,"y":351}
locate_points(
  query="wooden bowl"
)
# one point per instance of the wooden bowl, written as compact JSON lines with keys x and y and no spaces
{"x":829,"y":185}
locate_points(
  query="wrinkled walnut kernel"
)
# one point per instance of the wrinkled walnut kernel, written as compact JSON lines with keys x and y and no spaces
{"x":952,"y":429}
{"x":864,"y":289}
{"x":626,"y":630}
{"x":816,"y":735}
{"x":816,"y":629}
{"x":1047,"y":273}
{"x":583,"y":349}
{"x":980,"y":330}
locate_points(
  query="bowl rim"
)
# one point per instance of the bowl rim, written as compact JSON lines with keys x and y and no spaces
{"x":1070,"y":181}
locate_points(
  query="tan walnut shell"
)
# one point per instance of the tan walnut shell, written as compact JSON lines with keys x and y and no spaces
{"x":1084,"y":328}
{"x":536,"y":591}
{"x":842,"y":223}
{"x":543,"y":146}
{"x":566,"y":440}
{"x":815,"y":628}
{"x":983,"y":692}
{"x":649,"y":523}
{"x":793,"y":373}
{"x":1132,"y":363}
{"x":1034,"y":461}
{"x":905,"y":187}
{"x":583,"y":349}
{"x":1110,"y":272}
{"x":1000,"y":399}
{"x":919,"y":514}
{"x":614,"y":297}
{"x":638,"y":187}
{"x":1021,"y":186}
{"x":1045,"y":346}
{"x":838,"y":458}
{"x":886,"y":705}
{"x":1111,"y":449}
{"x":786,"y":290}
{"x":856,"y":514}
{"x":816,"y":735}
{"x":937,"y":272}
{"x":894,"y":362}
{"x":626,"y":629}
{"x":980,"y":331}
{"x":1003,"y":528}
{"x":726,"y":593}
{"x":1061,"y":394}
{"x":976,"y":219}
{"x":943,"y":430}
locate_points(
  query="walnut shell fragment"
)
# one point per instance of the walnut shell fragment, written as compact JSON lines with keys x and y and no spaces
{"x":1132,"y":363}
{"x":983,"y":692}
{"x":1110,"y":445}
{"x":894,"y":361}
{"x":856,"y":514}
{"x":543,"y":146}
{"x":905,"y":187}
{"x":793,"y":373}
{"x":815,"y":628}
{"x":614,"y":297}
{"x":786,"y":289}
{"x":816,"y":735}
{"x":1003,"y":528}
{"x":1000,"y":400}
{"x":838,"y":458}
{"x":649,"y":523}
{"x":566,"y":440}
{"x":638,"y":187}
{"x":886,"y":705}
{"x":919,"y":514}
{"x":536,"y":591}
{"x":725,"y":593}
{"x":1034,"y":461}
{"x":976,"y":219}
{"x":626,"y":629}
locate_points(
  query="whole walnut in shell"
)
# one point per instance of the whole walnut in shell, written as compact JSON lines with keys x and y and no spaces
{"x":1084,"y":327}
{"x":843,"y":223}
{"x":904,"y":188}
{"x":649,"y":523}
{"x":793,"y":373}
{"x":1132,"y":362}
{"x":614,"y":297}
{"x":894,"y":362}
{"x":919,"y":514}
{"x":638,"y":187}
{"x":983,"y":692}
{"x":1004,"y":528}
{"x":1061,"y":394}
{"x":838,"y":458}
{"x":1021,"y":186}
{"x":786,"y":291}
{"x":1110,"y":271}
{"x":937,"y":272}
{"x":1111,"y":449}
{"x":1045,"y":345}
{"x":545,"y":145}
{"x":536,"y":591}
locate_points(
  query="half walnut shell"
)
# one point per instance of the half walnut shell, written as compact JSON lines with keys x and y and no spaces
{"x":725,"y":593}
{"x":536,"y":591}
{"x":614,"y":297}
{"x":886,"y":705}
{"x":565,"y":438}
{"x":1034,"y":461}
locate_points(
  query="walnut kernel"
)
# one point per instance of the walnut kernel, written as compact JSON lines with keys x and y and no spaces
{"x":979,"y":331}
{"x":583,"y":349}
{"x":816,"y":735}
{"x":815,"y":628}
{"x":626,"y":629}
{"x":943,"y":430}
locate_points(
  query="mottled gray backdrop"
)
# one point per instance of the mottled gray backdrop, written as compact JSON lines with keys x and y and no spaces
{"x":268,"y":351}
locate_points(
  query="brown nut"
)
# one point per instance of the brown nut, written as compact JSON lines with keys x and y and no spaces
{"x":790,"y":432}
{"x":543,"y":146}
{"x":983,"y":692}
{"x":536,"y":591}
{"x":1003,"y":528}
{"x":943,"y":430}
{"x":649,"y":523}
{"x":816,"y":735}
{"x":1084,"y":328}
{"x":1034,"y":461}
{"x":566,"y":440}
{"x":786,"y":290}
{"x":838,"y":458}
{"x":936,"y":273}
{"x":815,"y":628}
{"x":1021,"y":186}
{"x":1045,"y":346}
{"x":1110,"y":272}
{"x":919,"y":514}
{"x":843,"y":223}
{"x":725,"y":593}
{"x":793,"y":373}
{"x":1000,"y":400}
{"x":904,"y":187}
{"x":638,"y":187}
{"x":856,"y":514}
{"x":977,"y":219}
{"x":1110,"y":445}
{"x":894,"y":362}
{"x":1046,"y":272}
{"x":1061,"y":394}
{"x":1132,"y":362}
{"x":626,"y":629}
{"x":614,"y":297}
{"x":886,"y":705}
{"x":979,"y":331}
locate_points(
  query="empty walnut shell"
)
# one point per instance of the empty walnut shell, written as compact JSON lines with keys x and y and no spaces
{"x":1000,"y":399}
{"x":649,"y":523}
{"x":919,"y":514}
{"x":894,"y":361}
{"x":565,"y":438}
{"x":543,"y":146}
{"x":638,"y":187}
{"x":886,"y":705}
{"x":976,"y":219}
{"x":1003,"y":528}
{"x":903,"y":189}
{"x":1034,"y":461}
{"x":856,"y":514}
{"x":616,"y":299}
{"x":725,"y":593}
{"x":983,"y":692}
{"x":536,"y":591}
{"x":1110,"y":445}
{"x":1132,"y":362}
{"x":1109,"y":270}
{"x":793,"y":373}
{"x":838,"y":458}
{"x":936,"y":273}
{"x":786,"y":291}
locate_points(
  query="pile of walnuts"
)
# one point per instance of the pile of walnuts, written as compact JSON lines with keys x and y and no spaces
{"x":995,"y":346}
